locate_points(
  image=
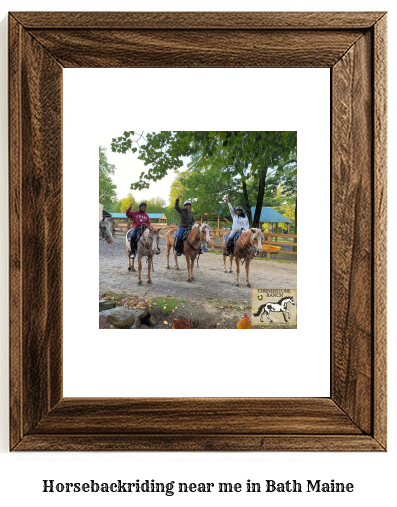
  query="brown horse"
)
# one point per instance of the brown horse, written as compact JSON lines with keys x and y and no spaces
{"x":244,"y":250}
{"x":146,"y":247}
{"x":204,"y":232}
{"x":170,"y":243}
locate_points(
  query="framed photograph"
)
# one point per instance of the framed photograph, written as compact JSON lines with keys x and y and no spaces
{"x":353,"y":47}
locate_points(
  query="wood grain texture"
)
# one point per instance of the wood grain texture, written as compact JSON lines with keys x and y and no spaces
{"x":354,"y":46}
{"x":196,"y":48}
{"x":36,"y":229}
{"x":15,"y":231}
{"x":175,"y":416}
{"x":199,"y":443}
{"x":380,"y":229}
{"x":351,"y":230}
{"x":202,"y":20}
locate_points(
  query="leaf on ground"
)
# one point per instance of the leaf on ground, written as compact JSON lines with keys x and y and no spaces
{"x":166,"y":323}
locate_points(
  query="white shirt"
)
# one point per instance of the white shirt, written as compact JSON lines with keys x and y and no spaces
{"x":238,"y":221}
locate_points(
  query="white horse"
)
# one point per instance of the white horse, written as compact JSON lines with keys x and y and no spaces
{"x":105,"y":231}
{"x":146,"y":247}
{"x":280,"y":306}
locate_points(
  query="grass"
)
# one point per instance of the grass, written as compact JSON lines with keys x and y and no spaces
{"x":277,"y":260}
{"x":167,"y":304}
{"x":261,"y":258}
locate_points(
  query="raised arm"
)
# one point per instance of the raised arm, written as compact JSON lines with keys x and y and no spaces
{"x":177,"y":207}
{"x":230,"y":207}
{"x":129,"y":212}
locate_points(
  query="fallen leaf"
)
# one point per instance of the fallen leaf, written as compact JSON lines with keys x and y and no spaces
{"x":166,"y":323}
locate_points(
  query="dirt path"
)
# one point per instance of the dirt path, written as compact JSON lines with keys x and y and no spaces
{"x":213,"y":288}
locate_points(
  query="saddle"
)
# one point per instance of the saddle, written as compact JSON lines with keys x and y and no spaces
{"x":184,"y":237}
{"x":186,"y":233}
{"x":233,"y":243}
{"x":140,"y":231}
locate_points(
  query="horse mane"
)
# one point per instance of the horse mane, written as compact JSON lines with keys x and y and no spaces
{"x":257,"y":233}
{"x":282,"y":299}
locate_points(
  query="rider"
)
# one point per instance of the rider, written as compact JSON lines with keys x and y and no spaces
{"x":187,"y":220}
{"x":240,"y":222}
{"x":139,"y":218}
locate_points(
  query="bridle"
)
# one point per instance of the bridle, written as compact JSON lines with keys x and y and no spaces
{"x":149,"y":251}
{"x":248,"y":245}
{"x":100,"y":226}
{"x":197,"y":242}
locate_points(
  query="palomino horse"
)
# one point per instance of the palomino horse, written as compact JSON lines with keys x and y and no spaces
{"x":280,"y":306}
{"x":146,"y":247}
{"x":105,"y":231}
{"x":244,"y":250}
{"x":204,"y":237}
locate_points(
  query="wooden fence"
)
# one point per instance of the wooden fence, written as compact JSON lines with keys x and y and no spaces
{"x":270,"y":238}
{"x":267,"y":244}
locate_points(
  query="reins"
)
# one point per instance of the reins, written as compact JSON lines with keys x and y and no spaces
{"x":244,"y":251}
{"x":149,"y":254}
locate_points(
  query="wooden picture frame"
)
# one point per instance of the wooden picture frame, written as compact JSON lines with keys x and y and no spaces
{"x":353,"y":46}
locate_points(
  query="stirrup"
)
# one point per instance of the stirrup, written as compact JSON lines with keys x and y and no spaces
{"x":132,"y":254}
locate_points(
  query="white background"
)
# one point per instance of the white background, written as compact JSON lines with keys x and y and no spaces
{"x":274,"y":362}
{"x":21,"y":474}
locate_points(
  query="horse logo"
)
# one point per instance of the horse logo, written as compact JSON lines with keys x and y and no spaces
{"x":275,"y":301}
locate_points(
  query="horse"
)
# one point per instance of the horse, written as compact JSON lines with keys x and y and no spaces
{"x":105,"y":232}
{"x":244,"y":249}
{"x":170,"y":243}
{"x":146,"y":247}
{"x":205,"y":237}
{"x":280,"y":306}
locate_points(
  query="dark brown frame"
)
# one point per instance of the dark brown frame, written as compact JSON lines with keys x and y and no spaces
{"x":353,"y":46}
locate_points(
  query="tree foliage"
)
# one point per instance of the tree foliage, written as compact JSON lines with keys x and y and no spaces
{"x":107,"y":189}
{"x":126,"y":203}
{"x":222,"y":162}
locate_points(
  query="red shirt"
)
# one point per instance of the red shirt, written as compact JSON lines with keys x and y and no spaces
{"x":138,"y":217}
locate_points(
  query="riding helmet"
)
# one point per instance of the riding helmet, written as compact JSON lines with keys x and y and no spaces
{"x":187,"y":202}
{"x":239,"y":207}
{"x":142,"y":203}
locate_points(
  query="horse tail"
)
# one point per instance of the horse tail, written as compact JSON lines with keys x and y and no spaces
{"x":259,"y":310}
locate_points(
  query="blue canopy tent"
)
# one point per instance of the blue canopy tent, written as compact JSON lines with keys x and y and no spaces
{"x":270,"y":215}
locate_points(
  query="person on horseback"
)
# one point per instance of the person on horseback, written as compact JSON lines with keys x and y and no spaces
{"x":240,"y":222}
{"x":187,"y":220}
{"x":140,"y":219}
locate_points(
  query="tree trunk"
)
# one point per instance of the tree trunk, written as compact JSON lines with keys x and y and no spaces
{"x":259,"y":201}
{"x":295,"y":248}
{"x":247,"y":201}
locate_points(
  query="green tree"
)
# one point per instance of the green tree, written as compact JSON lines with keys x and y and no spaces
{"x":116,"y":206}
{"x":155,"y":205}
{"x":107,"y":189}
{"x":236,"y":155}
{"x":126,"y":203}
